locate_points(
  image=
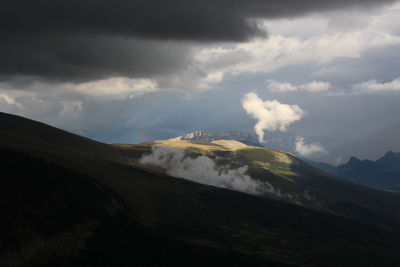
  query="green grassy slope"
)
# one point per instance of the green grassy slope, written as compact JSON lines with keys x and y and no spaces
{"x":295,"y":180}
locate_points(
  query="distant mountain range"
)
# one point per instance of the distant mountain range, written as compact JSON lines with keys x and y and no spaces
{"x":383,"y":173}
{"x":204,"y":136}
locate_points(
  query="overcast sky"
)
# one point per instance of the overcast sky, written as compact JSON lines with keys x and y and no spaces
{"x":317,"y":78}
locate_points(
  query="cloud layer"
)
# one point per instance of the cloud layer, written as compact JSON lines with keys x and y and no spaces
{"x":271,"y":115}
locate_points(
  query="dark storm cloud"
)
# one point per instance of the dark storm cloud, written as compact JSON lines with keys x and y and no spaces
{"x":78,"y":58}
{"x":176,"y":19}
{"x":85,"y":40}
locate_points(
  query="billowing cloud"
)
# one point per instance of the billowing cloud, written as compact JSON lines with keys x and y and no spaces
{"x":271,"y":115}
{"x":203,"y":170}
{"x":309,"y":150}
{"x":375,"y":86}
{"x":313,"y":87}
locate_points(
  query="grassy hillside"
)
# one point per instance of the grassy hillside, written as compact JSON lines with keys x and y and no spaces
{"x":62,"y":206}
{"x":295,"y":180}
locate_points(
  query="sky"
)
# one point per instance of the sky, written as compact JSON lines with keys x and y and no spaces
{"x":320,"y":79}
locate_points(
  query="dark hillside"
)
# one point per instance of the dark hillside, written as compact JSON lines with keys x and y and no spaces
{"x":65,"y":207}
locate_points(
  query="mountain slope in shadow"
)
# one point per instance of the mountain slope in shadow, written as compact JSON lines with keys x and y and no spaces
{"x":61,"y":205}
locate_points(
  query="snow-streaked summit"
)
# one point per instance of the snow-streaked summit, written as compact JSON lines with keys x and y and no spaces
{"x":204,"y":136}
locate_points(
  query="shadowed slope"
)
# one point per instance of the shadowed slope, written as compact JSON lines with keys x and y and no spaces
{"x":36,"y":131}
{"x":63,"y":207}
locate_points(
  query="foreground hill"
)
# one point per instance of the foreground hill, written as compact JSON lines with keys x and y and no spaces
{"x":383,"y":173}
{"x":63,"y":206}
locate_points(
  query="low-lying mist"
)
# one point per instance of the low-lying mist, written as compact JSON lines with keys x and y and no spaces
{"x":203,"y":169}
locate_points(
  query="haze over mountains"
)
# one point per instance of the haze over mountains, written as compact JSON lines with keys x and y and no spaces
{"x":66,"y":200}
{"x":383,"y":173}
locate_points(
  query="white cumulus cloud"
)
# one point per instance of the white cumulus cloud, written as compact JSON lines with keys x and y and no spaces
{"x":271,"y":115}
{"x":308,"y":150}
